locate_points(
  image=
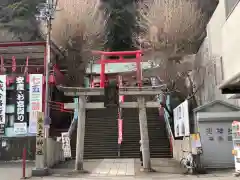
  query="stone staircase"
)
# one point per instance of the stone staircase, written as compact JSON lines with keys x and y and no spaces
{"x":158,"y":139}
{"x":101,"y":134}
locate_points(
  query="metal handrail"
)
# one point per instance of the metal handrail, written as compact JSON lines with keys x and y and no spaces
{"x":168,"y":126}
{"x":169,"y":129}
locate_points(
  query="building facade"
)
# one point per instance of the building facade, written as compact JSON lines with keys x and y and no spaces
{"x":230,"y":52}
{"x":216,"y":61}
{"x":22,"y":87}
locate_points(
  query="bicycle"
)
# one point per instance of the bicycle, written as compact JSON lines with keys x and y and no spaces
{"x":188,"y":163}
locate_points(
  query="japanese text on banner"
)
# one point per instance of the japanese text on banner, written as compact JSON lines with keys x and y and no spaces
{"x":20,"y":109}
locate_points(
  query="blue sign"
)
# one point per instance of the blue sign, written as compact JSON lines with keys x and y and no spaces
{"x":35,"y":89}
{"x":47,"y":122}
{"x":76,"y":109}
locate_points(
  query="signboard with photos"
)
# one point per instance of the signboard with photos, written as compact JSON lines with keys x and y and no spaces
{"x":20,"y":122}
{"x":181,"y":120}
{"x":196,"y":143}
{"x":3,"y":87}
{"x":236,"y":144}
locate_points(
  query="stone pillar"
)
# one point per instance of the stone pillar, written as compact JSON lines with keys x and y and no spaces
{"x":40,"y":165}
{"x":75,"y":119}
{"x":80,"y":133}
{"x":144,"y":133}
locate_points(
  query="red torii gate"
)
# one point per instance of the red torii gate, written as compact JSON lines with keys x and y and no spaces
{"x":106,"y":60}
{"x":120,"y":54}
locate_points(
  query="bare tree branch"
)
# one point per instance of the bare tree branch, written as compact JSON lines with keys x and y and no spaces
{"x":78,"y":28}
{"x":77,"y":17}
{"x":171,"y":26}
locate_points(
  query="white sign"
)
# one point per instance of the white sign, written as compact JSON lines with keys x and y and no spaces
{"x":20,"y":128}
{"x":66,"y":145}
{"x":153,"y":81}
{"x":3,"y":79}
{"x":181,"y":120}
{"x":4,"y":143}
{"x":35,"y":100}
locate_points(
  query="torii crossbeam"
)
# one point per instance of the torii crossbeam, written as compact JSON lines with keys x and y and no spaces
{"x":122,"y":58}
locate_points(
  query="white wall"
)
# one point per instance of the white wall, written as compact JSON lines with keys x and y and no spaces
{"x":231,"y":45}
{"x":212,"y":73}
{"x":214,"y":29}
{"x":214,"y":32}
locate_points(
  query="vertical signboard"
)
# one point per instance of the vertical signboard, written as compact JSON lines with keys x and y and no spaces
{"x":76,"y":109}
{"x":66,"y":145}
{"x":153,"y":81}
{"x":40,"y":134}
{"x":20,"y":123}
{"x":2,"y":103}
{"x":235,"y":131}
{"x":120,"y":120}
{"x":35,"y":100}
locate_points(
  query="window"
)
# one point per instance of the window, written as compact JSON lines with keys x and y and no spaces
{"x":215,"y":73}
{"x":27,"y":117}
{"x":9,"y":120}
{"x":222,"y":70}
{"x":11,"y":94}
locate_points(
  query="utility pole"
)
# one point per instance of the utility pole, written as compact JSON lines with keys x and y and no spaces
{"x":80,"y":133}
{"x":47,"y":64}
{"x":144,"y":133}
{"x":46,"y":12}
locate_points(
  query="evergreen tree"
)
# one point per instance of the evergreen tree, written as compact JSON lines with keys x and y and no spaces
{"x":18,"y":16}
{"x":120,"y":25}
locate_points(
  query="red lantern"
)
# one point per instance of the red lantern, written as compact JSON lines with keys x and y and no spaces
{"x":51,"y":79}
{"x":27,"y":78}
{"x":8,"y":80}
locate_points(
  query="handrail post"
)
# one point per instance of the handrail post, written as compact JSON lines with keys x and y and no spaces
{"x":102,"y":75}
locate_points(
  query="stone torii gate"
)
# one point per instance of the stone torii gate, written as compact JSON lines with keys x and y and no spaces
{"x":140,"y":92}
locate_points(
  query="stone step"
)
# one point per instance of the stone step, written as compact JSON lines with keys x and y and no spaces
{"x":101,"y":133}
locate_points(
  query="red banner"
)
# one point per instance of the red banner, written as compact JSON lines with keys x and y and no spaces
{"x":2,"y":65}
{"x":120,"y":129}
{"x":26,"y":67}
{"x":120,"y":121}
{"x":14,"y":65}
{"x":120,"y":81}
